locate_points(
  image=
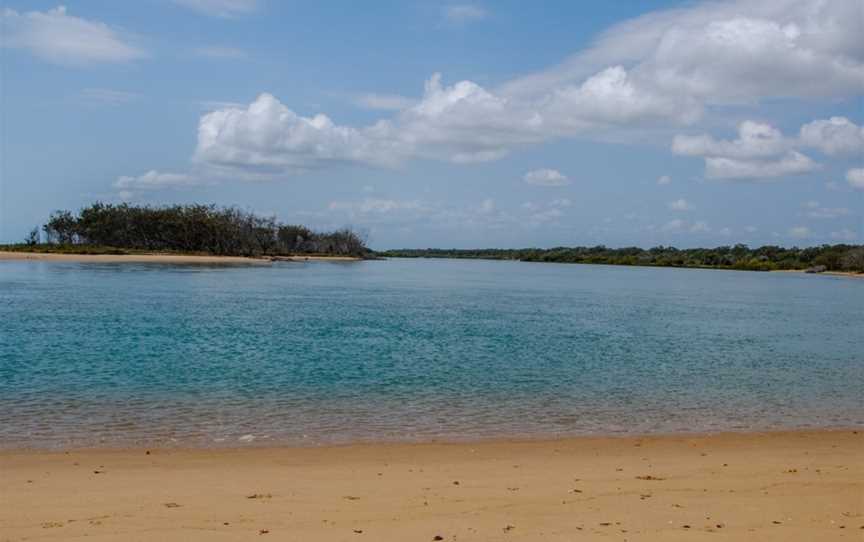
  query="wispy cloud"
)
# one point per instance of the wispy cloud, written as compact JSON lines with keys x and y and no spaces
{"x":61,"y":38}
{"x":679,"y":204}
{"x":221,"y":8}
{"x":107,"y":96}
{"x":546,"y":177}
{"x":464,"y":13}
{"x":219,"y":52}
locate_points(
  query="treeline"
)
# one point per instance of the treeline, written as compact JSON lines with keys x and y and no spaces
{"x":209,"y":229}
{"x":767,"y":258}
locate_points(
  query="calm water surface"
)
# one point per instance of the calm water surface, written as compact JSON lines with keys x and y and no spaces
{"x":311,"y":353}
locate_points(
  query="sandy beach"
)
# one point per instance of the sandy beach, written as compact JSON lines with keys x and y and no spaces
{"x":160,"y":258}
{"x":777,"y":486}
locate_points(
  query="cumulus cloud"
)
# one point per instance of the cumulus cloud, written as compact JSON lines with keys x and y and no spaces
{"x":679,"y":204}
{"x":759,"y":152}
{"x":267,"y":137}
{"x":61,"y":38}
{"x":464,"y":13}
{"x":220,"y":8}
{"x":729,"y":52}
{"x":664,"y":180}
{"x":855,"y":178}
{"x":837,"y":135}
{"x":546,"y":177}
{"x":755,"y":140}
{"x":792,"y":163}
{"x":661,"y":70}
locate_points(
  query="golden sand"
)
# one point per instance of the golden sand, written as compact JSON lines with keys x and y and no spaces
{"x":160,"y":258}
{"x":800,"y":486}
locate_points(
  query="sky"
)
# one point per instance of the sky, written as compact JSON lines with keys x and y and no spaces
{"x":438,"y":124}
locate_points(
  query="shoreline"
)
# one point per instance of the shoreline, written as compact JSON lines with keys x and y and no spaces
{"x":161,"y":258}
{"x":263,"y":443}
{"x":683,"y":267}
{"x":790,"y":486}
{"x":830,"y":273}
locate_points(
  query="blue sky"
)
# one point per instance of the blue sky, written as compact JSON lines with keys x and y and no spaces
{"x":494,"y":124}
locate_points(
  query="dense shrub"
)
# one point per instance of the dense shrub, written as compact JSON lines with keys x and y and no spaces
{"x":766,"y":258}
{"x":194,"y":228}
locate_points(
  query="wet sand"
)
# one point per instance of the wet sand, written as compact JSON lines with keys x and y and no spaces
{"x":777,"y":486}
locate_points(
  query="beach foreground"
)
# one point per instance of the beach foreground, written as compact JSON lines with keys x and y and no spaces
{"x":777,"y":486}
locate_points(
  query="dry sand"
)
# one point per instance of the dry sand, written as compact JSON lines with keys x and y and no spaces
{"x":159,"y":258}
{"x":780,"y":486}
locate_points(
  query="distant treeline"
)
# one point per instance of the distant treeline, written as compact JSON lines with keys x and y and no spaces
{"x":207,"y":229}
{"x":766,"y":258}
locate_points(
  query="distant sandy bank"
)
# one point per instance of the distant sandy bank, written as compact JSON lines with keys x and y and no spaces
{"x":798,"y":486}
{"x":830,"y":273}
{"x":160,"y":258}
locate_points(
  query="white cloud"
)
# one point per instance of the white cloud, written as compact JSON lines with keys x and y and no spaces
{"x":816,"y":210}
{"x":679,"y":226}
{"x":487,"y":206}
{"x":546,"y":177}
{"x":700,"y":226}
{"x":218,"y":52}
{"x":220,"y":8}
{"x":759,"y":152}
{"x":385,"y":102}
{"x":60,"y":38}
{"x":267,"y":137}
{"x":791,"y":163}
{"x":673,"y":226}
{"x":107,"y":96}
{"x":755,"y":140}
{"x":373,"y":206}
{"x":664,"y":180}
{"x":464,"y":13}
{"x":800,"y":232}
{"x":153,"y":180}
{"x":855,"y":178}
{"x":680,"y":204}
{"x":661,"y":70}
{"x":837,"y":135}
{"x":844,"y":235}
{"x":728,"y":52}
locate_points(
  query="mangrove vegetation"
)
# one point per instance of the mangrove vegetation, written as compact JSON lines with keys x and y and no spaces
{"x":849,"y":258}
{"x":192,"y":229}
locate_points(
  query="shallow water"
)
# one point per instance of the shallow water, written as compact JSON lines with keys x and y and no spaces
{"x":312,"y":353}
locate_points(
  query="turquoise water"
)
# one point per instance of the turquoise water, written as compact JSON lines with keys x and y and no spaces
{"x":311,"y":353}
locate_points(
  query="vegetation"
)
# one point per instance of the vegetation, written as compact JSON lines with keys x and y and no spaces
{"x":197,"y":229}
{"x":848,"y":258}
